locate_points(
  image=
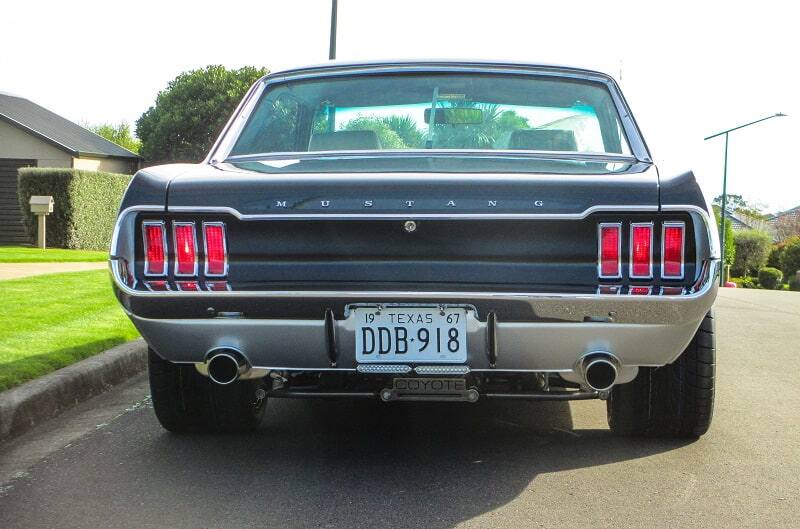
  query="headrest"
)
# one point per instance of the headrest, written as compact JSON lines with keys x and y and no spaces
{"x":543,"y":140}
{"x":345,"y":140}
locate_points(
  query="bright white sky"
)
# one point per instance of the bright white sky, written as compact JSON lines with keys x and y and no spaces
{"x":689,"y":69}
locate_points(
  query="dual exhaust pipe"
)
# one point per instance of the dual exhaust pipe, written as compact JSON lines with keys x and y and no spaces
{"x":599,"y":371}
{"x":226,"y":365}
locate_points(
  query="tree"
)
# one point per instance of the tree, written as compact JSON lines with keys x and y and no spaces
{"x":387,"y":135}
{"x":191,"y":112}
{"x":730,"y":246}
{"x":790,"y":258}
{"x":119,"y":133}
{"x":752,"y":251}
{"x":738,"y":203}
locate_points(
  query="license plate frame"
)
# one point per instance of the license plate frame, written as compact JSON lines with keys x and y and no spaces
{"x":386,"y":322}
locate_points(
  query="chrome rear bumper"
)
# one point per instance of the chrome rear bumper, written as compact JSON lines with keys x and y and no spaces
{"x":636,"y":330}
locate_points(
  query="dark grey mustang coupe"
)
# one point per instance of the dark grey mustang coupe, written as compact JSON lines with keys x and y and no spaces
{"x":423,"y":231}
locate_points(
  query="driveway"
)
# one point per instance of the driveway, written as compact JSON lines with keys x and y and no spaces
{"x":17,"y":270}
{"x":493,"y":465}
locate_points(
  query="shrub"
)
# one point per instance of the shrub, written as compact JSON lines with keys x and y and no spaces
{"x":790,"y":258}
{"x":769,"y":278}
{"x":730,"y":247}
{"x":745,"y":282}
{"x":774,"y":259}
{"x":794,"y":284}
{"x":752,"y":250}
{"x":86,"y":205}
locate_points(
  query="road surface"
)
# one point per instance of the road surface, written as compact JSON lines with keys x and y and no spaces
{"x":107,"y":463}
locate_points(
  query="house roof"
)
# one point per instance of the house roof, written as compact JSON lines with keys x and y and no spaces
{"x":794,"y":212}
{"x":56,"y":130}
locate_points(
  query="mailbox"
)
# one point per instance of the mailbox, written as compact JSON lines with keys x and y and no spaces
{"x":41,"y":204}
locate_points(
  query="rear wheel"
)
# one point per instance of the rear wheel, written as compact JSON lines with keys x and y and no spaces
{"x":676,"y":400}
{"x":186,"y":401}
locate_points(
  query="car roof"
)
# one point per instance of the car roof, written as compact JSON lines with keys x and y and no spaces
{"x":337,"y":66}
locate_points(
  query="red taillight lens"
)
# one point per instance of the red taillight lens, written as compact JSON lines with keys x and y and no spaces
{"x":216,"y":249}
{"x":641,"y":250}
{"x":190,"y":286}
{"x":155,"y":249}
{"x":608,"y":253}
{"x":639,"y":291}
{"x":672,"y":250}
{"x":157,"y":286}
{"x":217,"y":286}
{"x":185,"y":249}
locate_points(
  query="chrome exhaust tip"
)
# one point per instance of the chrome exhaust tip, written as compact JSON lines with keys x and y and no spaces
{"x":225,"y":366}
{"x":599,"y":371}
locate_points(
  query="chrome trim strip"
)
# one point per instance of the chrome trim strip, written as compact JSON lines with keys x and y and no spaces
{"x":224,"y":249}
{"x":705,"y":283}
{"x":405,"y":215}
{"x":630,"y":250}
{"x":145,"y":246}
{"x":600,"y":226}
{"x":175,"y":225}
{"x":682,"y":226}
{"x":583,"y":156}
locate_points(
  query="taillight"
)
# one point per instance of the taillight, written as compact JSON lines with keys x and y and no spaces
{"x":157,"y":286}
{"x":217,"y":286}
{"x":641,"y":250}
{"x":639,"y":291}
{"x":190,"y":286}
{"x":608,"y":254}
{"x":155,"y":248}
{"x":185,"y":249}
{"x":215,"y":249}
{"x":672,"y":242}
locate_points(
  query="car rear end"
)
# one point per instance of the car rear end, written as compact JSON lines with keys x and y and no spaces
{"x":350,"y":270}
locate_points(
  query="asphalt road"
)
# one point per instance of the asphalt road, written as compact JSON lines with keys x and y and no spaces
{"x":340,"y":464}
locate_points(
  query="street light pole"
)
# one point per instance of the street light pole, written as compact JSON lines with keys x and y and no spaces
{"x":332,"y":47}
{"x":724,"y":205}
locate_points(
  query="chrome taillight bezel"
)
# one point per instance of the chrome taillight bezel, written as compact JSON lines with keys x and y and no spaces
{"x":224,"y":249}
{"x":177,"y":264}
{"x":664,"y":226}
{"x":600,"y":227}
{"x":631,"y":273}
{"x":145,"y":246}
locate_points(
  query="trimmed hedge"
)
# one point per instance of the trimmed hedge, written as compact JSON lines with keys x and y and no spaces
{"x":745,"y":282}
{"x":86,"y":205}
{"x":769,"y":278}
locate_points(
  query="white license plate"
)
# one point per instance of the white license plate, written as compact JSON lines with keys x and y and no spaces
{"x":410,"y":335}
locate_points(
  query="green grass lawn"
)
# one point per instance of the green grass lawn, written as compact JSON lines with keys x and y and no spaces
{"x":27,"y":254}
{"x":50,"y":321}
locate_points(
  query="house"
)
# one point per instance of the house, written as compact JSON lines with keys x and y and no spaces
{"x":32,"y":136}
{"x":785,"y":223}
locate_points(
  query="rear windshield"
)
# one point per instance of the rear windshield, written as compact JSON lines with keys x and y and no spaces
{"x":417,"y":112}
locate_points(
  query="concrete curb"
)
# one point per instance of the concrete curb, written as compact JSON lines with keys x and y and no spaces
{"x":34,"y":402}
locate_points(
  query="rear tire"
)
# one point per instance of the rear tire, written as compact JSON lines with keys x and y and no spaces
{"x":672,"y":401}
{"x":186,"y":401}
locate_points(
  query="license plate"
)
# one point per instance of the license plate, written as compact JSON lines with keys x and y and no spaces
{"x":410,"y":335}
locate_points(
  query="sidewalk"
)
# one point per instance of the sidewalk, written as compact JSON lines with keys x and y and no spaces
{"x":17,"y":270}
